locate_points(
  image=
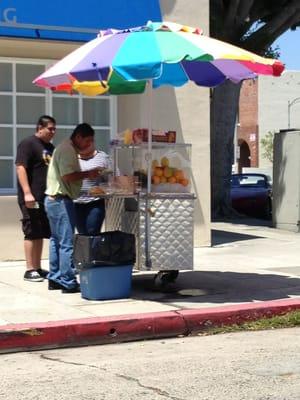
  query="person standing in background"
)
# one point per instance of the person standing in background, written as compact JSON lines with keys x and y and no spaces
{"x":63,"y":186}
{"x":32,"y":160}
{"x":90,"y":210}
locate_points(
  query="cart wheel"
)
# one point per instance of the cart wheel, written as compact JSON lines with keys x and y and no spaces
{"x":163,"y":278}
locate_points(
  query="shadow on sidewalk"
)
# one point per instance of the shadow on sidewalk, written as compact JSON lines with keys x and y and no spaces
{"x":222,"y":237}
{"x":217,"y":287}
{"x":247,"y":221}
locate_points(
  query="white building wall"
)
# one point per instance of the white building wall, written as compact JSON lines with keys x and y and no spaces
{"x":185,"y":110}
{"x":273,"y":97}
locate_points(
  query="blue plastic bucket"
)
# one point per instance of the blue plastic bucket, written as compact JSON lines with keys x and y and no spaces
{"x":105,"y":283}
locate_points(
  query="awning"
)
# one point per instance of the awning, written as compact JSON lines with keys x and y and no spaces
{"x":70,"y":20}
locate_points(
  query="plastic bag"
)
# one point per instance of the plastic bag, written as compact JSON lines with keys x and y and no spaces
{"x":105,"y":249}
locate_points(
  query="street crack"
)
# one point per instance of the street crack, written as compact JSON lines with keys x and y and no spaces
{"x":71,"y":362}
{"x":126,"y":377}
{"x":154,"y":389}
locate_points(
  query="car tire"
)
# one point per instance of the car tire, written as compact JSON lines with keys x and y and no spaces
{"x":267,"y":212}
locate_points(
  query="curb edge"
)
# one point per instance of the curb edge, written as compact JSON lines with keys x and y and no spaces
{"x":105,"y":330}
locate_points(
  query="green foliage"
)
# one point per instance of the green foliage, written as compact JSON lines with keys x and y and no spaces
{"x":273,"y":52}
{"x":289,"y":320}
{"x":267,"y":145}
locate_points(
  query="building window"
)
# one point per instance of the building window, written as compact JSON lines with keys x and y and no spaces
{"x":22,"y":103}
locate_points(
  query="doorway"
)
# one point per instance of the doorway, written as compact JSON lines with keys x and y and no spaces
{"x":245,"y":156}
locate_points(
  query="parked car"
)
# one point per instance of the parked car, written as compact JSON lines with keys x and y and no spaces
{"x":251,"y":194}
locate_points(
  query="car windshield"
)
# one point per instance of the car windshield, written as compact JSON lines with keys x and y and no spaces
{"x":245,"y":180}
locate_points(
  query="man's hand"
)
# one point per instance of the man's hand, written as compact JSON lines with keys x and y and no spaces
{"x":29,"y":200}
{"x":23,"y":180}
{"x":79,"y":175}
{"x":94,"y":173}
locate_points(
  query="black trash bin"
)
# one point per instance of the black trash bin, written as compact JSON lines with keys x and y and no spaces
{"x":105,"y":263}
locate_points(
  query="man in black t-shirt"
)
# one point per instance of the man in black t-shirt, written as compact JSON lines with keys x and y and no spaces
{"x":33,"y":157}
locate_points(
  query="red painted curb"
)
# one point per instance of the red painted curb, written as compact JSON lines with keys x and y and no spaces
{"x":201,"y":319}
{"x":34,"y":336}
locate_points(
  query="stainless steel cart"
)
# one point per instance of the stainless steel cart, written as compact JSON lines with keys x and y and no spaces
{"x":169,"y":244}
{"x":162,"y":222}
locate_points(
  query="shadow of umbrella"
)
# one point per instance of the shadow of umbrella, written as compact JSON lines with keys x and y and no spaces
{"x":217,"y":287}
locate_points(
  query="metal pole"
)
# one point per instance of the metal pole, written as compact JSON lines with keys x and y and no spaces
{"x":235,"y":145}
{"x":289,"y":120}
{"x":149,"y":167}
{"x":149,"y":155}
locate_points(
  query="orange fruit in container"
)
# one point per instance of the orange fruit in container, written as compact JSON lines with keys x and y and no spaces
{"x":155,"y":180}
{"x":163,"y":179}
{"x":168,"y":172}
{"x":179,"y":174}
{"x":172,"y":179}
{"x":184,"y":182}
{"x":158,"y":171}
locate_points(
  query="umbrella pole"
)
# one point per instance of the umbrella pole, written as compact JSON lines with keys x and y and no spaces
{"x":149,"y":167}
{"x":149,"y":154}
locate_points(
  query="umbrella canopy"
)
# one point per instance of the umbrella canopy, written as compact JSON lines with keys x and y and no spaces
{"x":122,"y":61}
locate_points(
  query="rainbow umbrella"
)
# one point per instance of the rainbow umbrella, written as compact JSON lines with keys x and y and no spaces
{"x":123,"y":61}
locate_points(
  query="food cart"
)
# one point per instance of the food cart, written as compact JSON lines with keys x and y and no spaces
{"x":161,"y":219}
{"x":127,"y":62}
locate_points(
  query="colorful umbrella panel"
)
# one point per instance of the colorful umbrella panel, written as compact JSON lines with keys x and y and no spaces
{"x":122,"y":61}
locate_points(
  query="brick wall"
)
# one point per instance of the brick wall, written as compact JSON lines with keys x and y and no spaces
{"x":247,"y":130}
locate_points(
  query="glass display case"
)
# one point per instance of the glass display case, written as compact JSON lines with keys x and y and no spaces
{"x":170,"y":165}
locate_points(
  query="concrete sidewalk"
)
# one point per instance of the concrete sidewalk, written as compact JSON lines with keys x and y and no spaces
{"x":247,"y":266}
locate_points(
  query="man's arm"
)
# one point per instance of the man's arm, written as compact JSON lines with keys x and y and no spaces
{"x":78,"y":176}
{"x":23,"y":180}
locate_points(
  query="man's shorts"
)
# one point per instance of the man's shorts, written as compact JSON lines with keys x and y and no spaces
{"x":35,"y":223}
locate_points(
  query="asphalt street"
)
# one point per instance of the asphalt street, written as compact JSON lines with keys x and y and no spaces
{"x":261,"y":365}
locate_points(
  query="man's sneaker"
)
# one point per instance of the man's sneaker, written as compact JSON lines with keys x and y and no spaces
{"x":52,"y":285}
{"x":75,"y":289}
{"x":33,"y":276}
{"x":42,"y":272}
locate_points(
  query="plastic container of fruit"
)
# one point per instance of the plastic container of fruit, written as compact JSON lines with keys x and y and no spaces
{"x":170,"y":188}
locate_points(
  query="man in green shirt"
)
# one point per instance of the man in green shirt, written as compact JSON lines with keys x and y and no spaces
{"x":64,"y":181}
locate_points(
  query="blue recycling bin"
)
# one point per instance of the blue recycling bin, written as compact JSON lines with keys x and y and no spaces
{"x":105,"y":264}
{"x":106,"y":282}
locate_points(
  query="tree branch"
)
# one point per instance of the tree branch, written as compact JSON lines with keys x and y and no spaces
{"x":216,"y":17}
{"x":244,"y":9}
{"x":231,"y":14}
{"x":262,"y":10}
{"x":229,"y":21}
{"x":267,"y":34}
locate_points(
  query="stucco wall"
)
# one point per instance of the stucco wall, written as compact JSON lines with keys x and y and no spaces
{"x":273,"y":97}
{"x":11,"y":247}
{"x":35,"y":49}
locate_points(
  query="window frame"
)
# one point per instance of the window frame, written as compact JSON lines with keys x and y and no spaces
{"x":48,"y":95}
